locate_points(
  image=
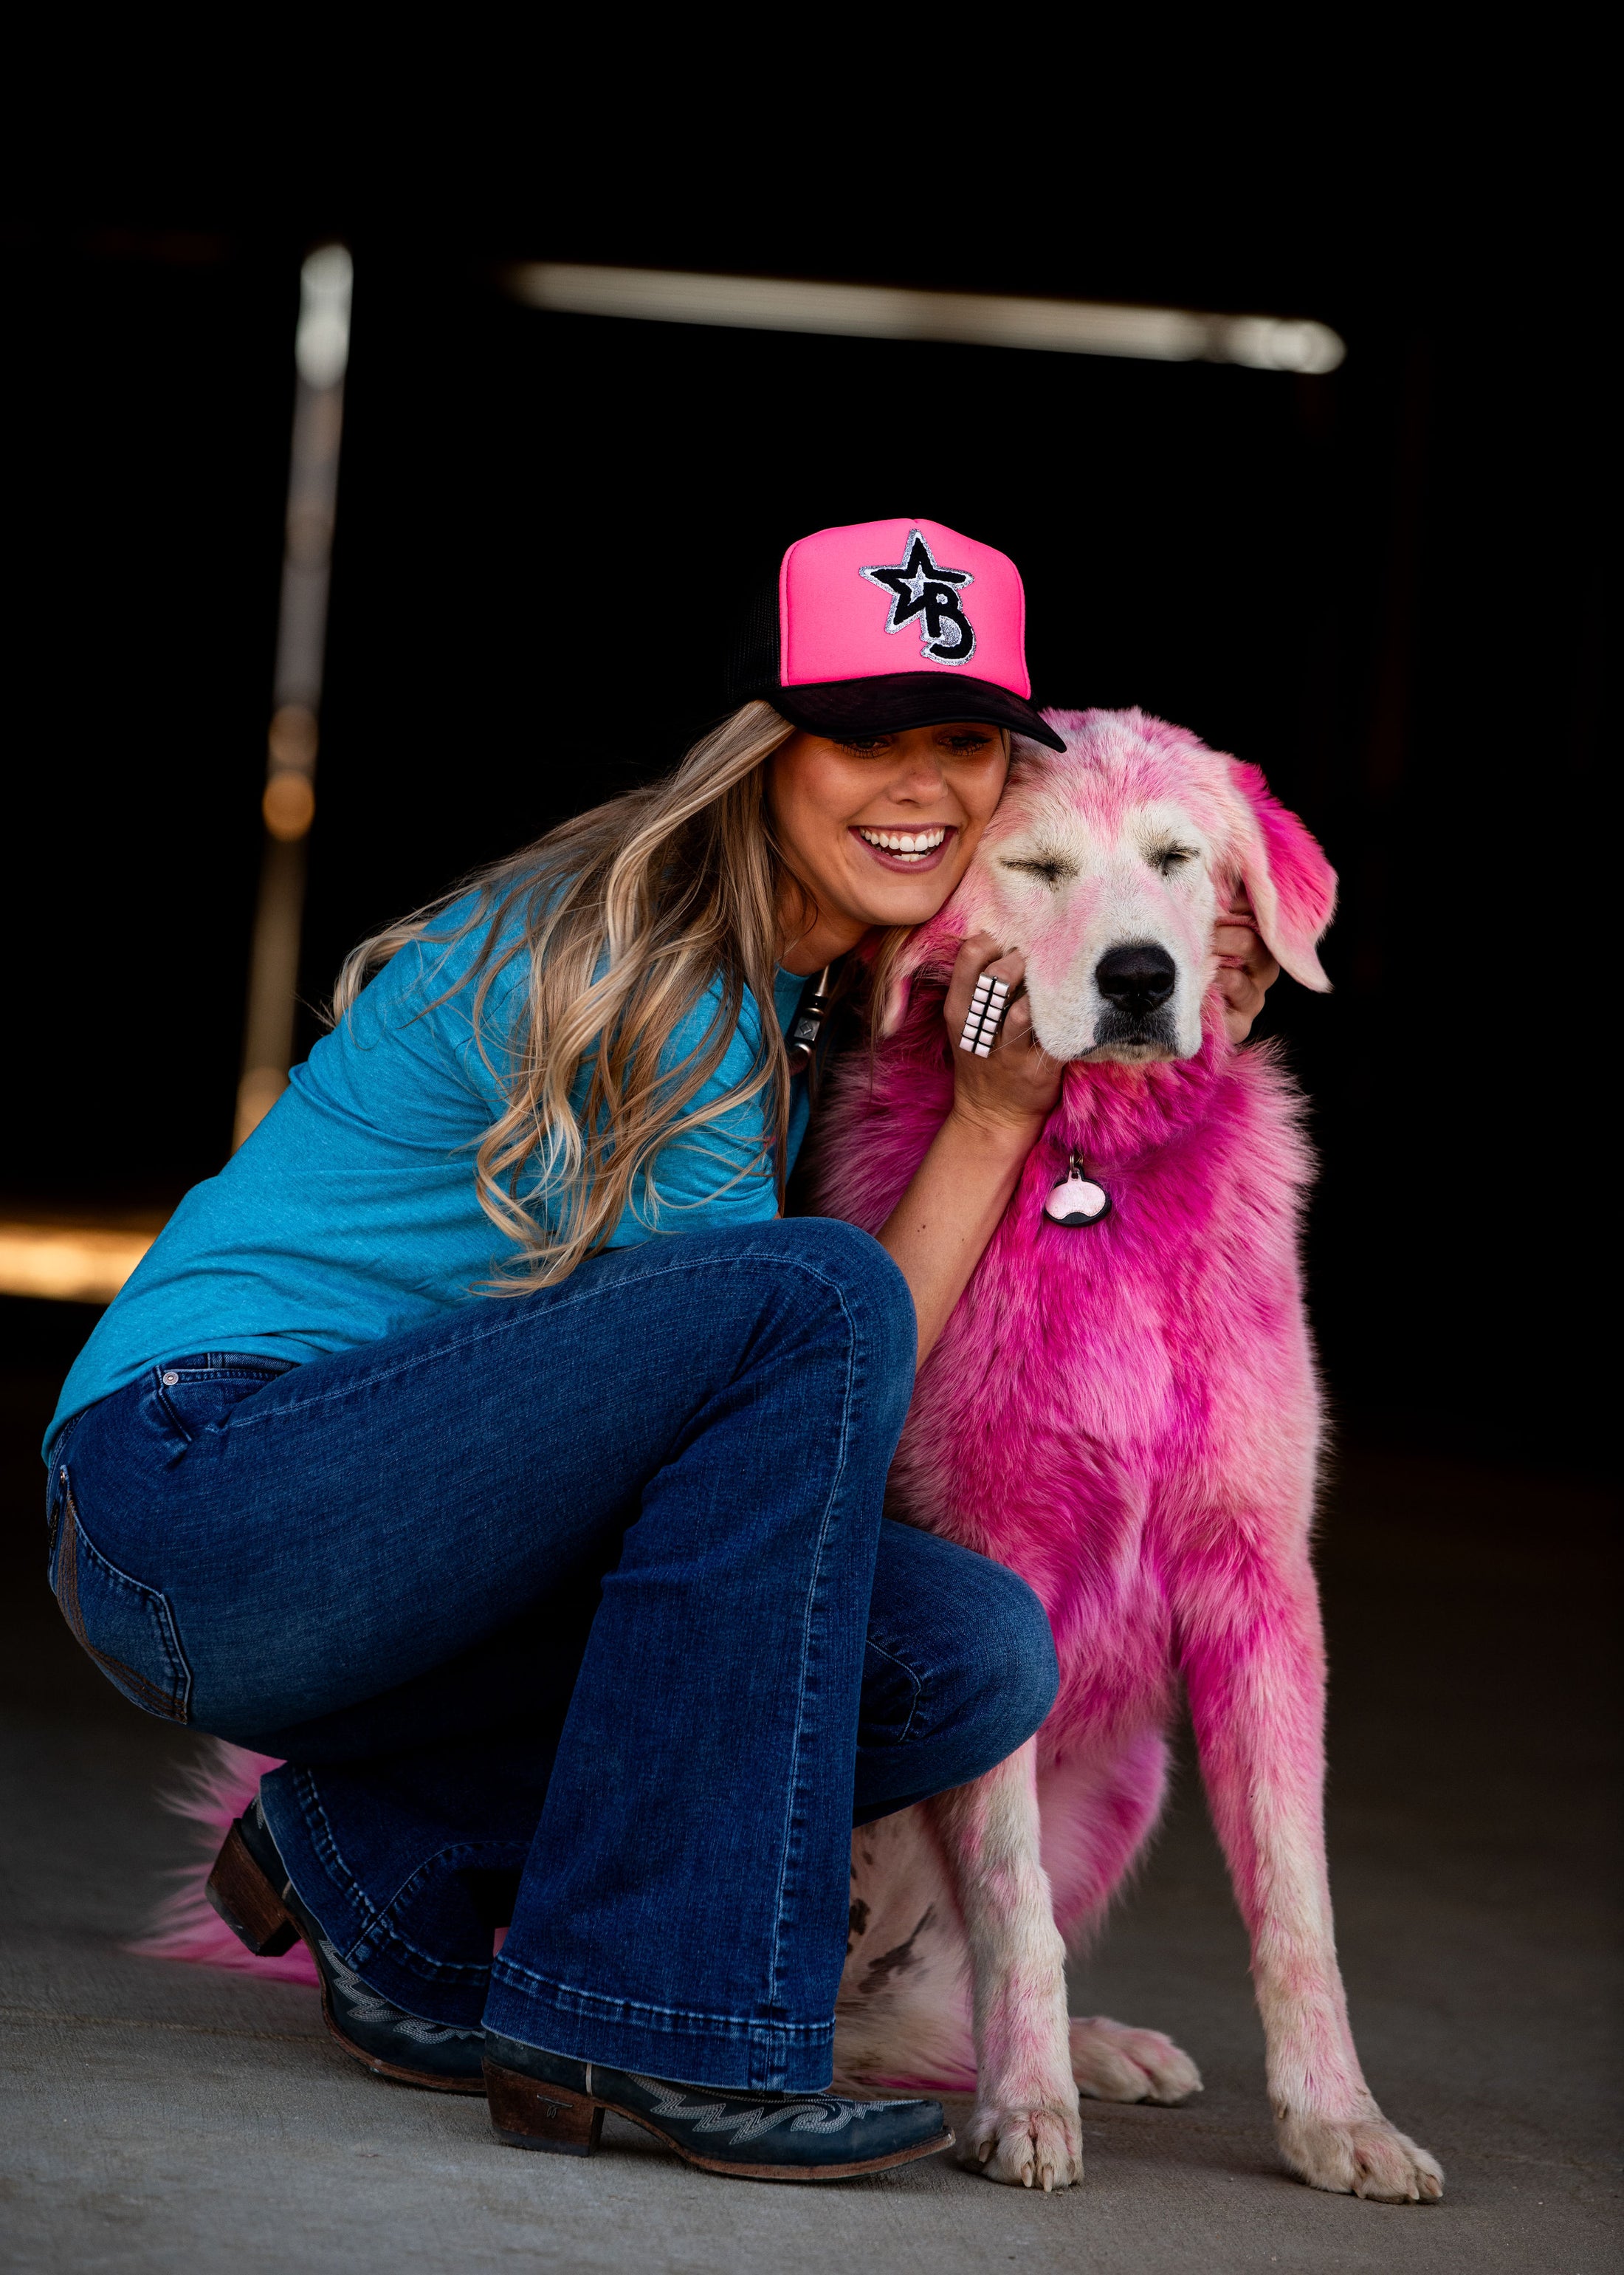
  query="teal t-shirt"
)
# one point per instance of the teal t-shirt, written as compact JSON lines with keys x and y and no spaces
{"x":350,"y":1213}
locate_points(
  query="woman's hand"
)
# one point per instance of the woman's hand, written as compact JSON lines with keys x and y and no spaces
{"x":1246,"y":970}
{"x":1016,"y":1086}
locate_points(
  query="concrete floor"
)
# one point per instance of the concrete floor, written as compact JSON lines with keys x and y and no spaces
{"x":168,"y":2119}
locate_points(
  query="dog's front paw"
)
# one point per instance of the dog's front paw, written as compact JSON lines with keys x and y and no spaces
{"x":1360,"y":2157}
{"x":1111,"y":2062}
{"x":1038,"y":2147}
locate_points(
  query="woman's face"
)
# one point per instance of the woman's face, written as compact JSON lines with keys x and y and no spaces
{"x":880,"y":831}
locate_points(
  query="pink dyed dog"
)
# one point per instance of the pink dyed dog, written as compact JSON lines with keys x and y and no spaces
{"x":1125,"y":1412}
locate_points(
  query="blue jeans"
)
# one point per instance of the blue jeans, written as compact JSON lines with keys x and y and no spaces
{"x":580,"y":1603}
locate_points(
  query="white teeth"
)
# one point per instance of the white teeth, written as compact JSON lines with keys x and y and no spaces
{"x":910,"y":844}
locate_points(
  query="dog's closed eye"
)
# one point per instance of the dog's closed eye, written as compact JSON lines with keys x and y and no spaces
{"x":1049,"y":867}
{"x":1169,"y":857}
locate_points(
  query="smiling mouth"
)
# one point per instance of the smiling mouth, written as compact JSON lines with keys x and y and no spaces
{"x":906,"y":848}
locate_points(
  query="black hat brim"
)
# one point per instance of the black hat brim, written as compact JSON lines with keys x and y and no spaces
{"x":895,"y":701}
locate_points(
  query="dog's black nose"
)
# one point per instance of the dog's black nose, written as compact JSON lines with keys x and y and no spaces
{"x":1138,"y":978}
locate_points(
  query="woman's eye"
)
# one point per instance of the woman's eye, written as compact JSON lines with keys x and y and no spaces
{"x":865,"y":750}
{"x":963,"y":742}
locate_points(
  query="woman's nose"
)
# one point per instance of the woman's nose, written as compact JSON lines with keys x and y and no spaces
{"x":921,"y":783}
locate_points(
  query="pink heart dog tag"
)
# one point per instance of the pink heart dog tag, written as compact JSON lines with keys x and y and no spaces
{"x":1079,"y":1200}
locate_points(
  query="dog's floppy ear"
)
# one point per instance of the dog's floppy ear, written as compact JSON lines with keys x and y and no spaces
{"x":1291,"y":884}
{"x":932,"y":944}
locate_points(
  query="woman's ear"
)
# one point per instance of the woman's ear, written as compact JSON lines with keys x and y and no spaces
{"x":1291,"y":884}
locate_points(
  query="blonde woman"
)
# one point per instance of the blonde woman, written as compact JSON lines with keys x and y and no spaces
{"x":485,"y":1444}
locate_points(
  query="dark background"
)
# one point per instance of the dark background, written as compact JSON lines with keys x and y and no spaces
{"x":1383,"y":587}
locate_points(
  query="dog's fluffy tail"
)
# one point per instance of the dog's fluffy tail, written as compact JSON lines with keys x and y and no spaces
{"x":215,"y":1790}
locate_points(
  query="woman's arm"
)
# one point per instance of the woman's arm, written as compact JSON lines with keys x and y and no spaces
{"x":937,"y":1231}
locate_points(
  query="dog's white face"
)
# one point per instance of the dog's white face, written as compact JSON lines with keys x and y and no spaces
{"x":1106,"y":865}
{"x":1111,"y":896}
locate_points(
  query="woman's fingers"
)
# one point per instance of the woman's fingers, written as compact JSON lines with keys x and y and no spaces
{"x":985,"y":978}
{"x":1246,"y":970}
{"x":1235,"y":933}
{"x":992,"y":999}
{"x":980,"y":949}
{"x":1017,"y":1027}
{"x":1243,"y":1000}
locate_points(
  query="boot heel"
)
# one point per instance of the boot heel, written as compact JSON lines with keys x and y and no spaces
{"x":527,"y":2115}
{"x":246,"y":1901}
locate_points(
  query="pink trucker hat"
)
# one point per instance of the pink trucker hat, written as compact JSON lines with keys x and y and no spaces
{"x":888,"y":625}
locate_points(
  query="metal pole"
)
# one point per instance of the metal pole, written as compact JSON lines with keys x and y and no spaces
{"x":321,"y":351}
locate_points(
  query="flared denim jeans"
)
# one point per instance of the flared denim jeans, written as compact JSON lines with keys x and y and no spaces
{"x":578,"y":1606}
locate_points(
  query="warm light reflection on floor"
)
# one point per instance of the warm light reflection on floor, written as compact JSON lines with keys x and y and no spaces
{"x":74,"y":1264}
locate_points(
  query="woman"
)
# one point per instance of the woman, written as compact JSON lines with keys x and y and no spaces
{"x":485,"y":1442}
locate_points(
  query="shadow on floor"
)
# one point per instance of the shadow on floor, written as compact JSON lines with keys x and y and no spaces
{"x":169,"y":2119}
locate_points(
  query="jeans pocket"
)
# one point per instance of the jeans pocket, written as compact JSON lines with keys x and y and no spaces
{"x":125,"y":1626}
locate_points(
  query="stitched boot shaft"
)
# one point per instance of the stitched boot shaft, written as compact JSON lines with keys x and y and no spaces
{"x":250,"y":1889}
{"x":541,"y":2100}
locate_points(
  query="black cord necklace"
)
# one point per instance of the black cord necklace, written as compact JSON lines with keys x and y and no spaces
{"x":1078,"y":1199}
{"x":801,"y":1042}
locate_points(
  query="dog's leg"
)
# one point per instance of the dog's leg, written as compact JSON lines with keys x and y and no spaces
{"x":1099,"y":1809}
{"x":902,"y":2020}
{"x":1025,"y":2127}
{"x":1253,"y":1659}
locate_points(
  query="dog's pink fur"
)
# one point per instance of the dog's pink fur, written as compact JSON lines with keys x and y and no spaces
{"x":1127,"y":1415}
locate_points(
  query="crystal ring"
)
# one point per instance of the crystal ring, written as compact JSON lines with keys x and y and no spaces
{"x":987,"y":1007}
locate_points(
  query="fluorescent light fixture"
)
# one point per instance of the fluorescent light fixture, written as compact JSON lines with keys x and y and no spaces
{"x":884,"y":312}
{"x":72,"y":1264}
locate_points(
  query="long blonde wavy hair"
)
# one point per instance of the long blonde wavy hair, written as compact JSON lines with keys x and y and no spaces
{"x":627,"y":915}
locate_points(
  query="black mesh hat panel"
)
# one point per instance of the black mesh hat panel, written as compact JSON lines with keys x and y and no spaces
{"x":886,"y":705}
